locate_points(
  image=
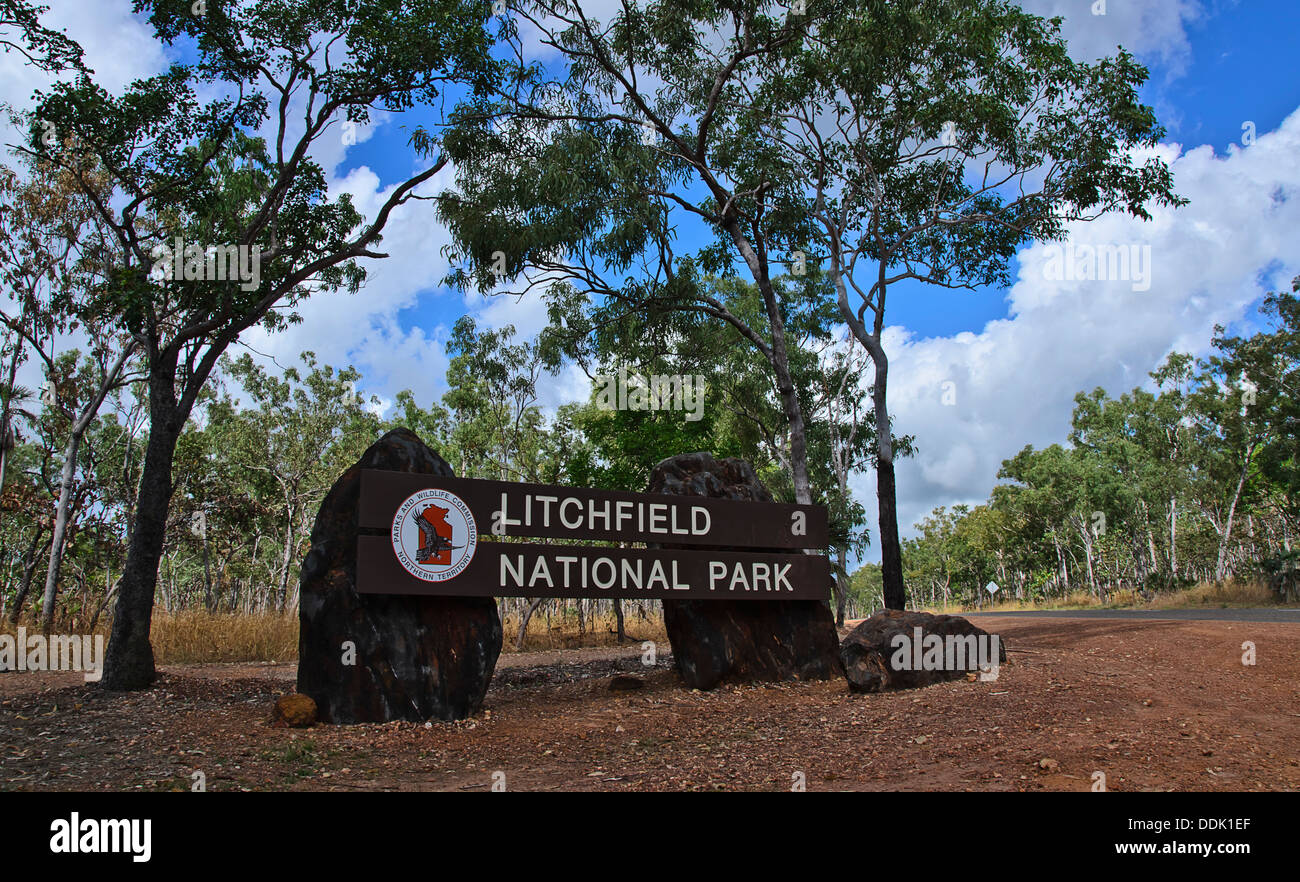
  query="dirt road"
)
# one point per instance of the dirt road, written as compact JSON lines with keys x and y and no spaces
{"x":1165,"y":705}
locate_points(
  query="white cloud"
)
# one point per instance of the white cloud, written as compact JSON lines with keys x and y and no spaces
{"x":364,"y":329}
{"x":1015,"y":380}
{"x":1151,"y":29}
{"x":118,"y":46}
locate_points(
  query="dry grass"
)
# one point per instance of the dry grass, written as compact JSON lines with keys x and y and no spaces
{"x":200,"y":637}
{"x":599,"y":631}
{"x":1221,"y":595}
{"x":197,"y":637}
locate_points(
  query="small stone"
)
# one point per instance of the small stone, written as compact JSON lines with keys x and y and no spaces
{"x":1048,"y":765}
{"x":295,"y":711}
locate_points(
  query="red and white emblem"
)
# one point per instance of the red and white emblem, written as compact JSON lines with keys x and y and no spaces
{"x":434,"y":535}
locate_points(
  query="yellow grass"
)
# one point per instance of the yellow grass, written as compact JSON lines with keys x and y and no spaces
{"x":1221,"y":595}
{"x":566,"y":635}
{"x":200,"y":637}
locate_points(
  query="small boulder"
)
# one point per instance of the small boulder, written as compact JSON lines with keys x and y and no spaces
{"x":870,"y":650}
{"x":295,"y":711}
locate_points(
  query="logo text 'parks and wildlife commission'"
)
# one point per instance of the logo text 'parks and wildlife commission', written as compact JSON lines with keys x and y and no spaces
{"x":434,"y":535}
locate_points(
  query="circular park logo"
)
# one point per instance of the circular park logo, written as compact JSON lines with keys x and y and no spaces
{"x":434,"y":535}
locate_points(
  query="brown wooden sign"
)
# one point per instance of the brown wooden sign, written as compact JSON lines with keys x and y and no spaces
{"x":502,"y":508}
{"x":442,"y":536}
{"x":519,"y":569}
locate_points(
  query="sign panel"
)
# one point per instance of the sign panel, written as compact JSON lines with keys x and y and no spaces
{"x":442,"y":536}
{"x":502,"y":508}
{"x":519,"y":569}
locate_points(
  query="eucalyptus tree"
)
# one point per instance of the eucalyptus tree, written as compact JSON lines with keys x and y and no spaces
{"x":77,"y":396}
{"x":1169,"y":438}
{"x":921,"y":142}
{"x":578,"y":183}
{"x":1280,"y":460}
{"x":299,"y":430}
{"x":929,"y":140}
{"x":22,"y":31}
{"x":185,"y":158}
{"x":1242,"y":403}
{"x":53,"y":254}
{"x":492,"y":402}
{"x":40,"y":226}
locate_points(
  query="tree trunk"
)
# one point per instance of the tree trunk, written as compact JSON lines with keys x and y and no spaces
{"x":285,"y":561}
{"x":61,"y":518}
{"x":891,"y":550}
{"x":29,"y":571}
{"x":841,"y":586}
{"x":621,"y":635}
{"x":524,"y":620}
{"x":778,"y":357}
{"x":128,"y":660}
{"x":1221,"y":566}
{"x":794,"y":416}
{"x":1173,"y":536}
{"x":1087,"y":554}
{"x":4,"y":412}
{"x":1060,"y":557}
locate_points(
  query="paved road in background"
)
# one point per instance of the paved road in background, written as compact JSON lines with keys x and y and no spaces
{"x":1184,"y":615}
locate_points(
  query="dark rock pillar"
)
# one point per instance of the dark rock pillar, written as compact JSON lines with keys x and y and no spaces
{"x":413,"y":658}
{"x":718,"y":641}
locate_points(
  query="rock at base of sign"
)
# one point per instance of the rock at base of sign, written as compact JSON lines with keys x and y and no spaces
{"x":870,"y":647}
{"x":293,"y":712}
{"x":741,"y":641}
{"x":368,"y":658}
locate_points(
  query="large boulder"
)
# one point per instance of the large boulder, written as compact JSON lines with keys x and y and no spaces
{"x":875,"y":659}
{"x":718,"y":641}
{"x":416,"y":658}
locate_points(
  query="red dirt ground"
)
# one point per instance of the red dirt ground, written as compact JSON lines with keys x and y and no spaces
{"x":1152,"y":705}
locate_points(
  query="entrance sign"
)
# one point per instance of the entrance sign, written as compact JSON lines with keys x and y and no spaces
{"x":518,"y":569}
{"x":547,"y":511}
{"x":441,"y":536}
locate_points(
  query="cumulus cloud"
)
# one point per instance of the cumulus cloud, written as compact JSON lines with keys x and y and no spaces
{"x":1152,"y":29}
{"x":1014,"y":381}
{"x":365,"y":329}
